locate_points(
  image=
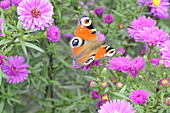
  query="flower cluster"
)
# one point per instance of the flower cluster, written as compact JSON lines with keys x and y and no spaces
{"x":124,"y":65}
{"x":159,"y":8}
{"x":144,"y":30}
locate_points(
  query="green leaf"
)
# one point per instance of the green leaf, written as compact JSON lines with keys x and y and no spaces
{"x":54,"y":82}
{"x":44,"y":80}
{"x":23,"y":47}
{"x":4,"y":41}
{"x":123,"y":89}
{"x":119,"y":14}
{"x":30,"y":45}
{"x":2,"y":103}
{"x":15,"y":100}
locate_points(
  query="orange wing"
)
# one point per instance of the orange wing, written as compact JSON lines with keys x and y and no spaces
{"x":85,"y":33}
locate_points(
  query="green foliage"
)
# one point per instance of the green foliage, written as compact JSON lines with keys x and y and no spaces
{"x":54,"y":86}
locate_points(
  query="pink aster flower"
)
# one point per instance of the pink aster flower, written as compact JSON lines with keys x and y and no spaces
{"x":121,"y":51}
{"x":136,"y":65}
{"x":53,"y":33}
{"x":165,"y":82}
{"x":101,"y":36}
{"x":137,"y":25}
{"x":1,"y":60}
{"x":165,"y":51}
{"x":99,"y":11}
{"x":108,"y":19}
{"x":16,"y":2}
{"x":155,"y":61}
{"x":15,"y":68}
{"x":68,"y":35}
{"x":121,"y":26}
{"x":5,"y":4}
{"x":95,"y":94}
{"x":1,"y":21}
{"x":159,"y":8}
{"x":35,"y":14}
{"x":97,"y":63}
{"x":139,"y":96}
{"x":116,"y":106}
{"x":168,"y":101}
{"x":152,"y":36}
{"x":120,"y":64}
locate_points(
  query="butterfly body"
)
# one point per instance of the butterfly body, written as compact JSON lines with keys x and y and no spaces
{"x":86,"y":47}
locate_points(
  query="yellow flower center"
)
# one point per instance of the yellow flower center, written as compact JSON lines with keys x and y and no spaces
{"x":105,"y":98}
{"x":156,"y":2}
{"x":165,"y":82}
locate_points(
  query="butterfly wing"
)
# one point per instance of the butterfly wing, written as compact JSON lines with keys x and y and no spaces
{"x":85,"y":29}
{"x":104,"y":51}
{"x":85,"y":48}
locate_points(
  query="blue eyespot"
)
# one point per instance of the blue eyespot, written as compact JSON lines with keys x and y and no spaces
{"x":89,"y":60}
{"x":75,"y":42}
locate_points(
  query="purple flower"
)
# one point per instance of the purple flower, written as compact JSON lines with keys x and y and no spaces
{"x":108,"y":19}
{"x":97,"y":63}
{"x":113,"y":80}
{"x":16,"y":2}
{"x":15,"y":68}
{"x":101,"y":36}
{"x":165,"y":51}
{"x":165,"y":82}
{"x":155,"y":61}
{"x":119,"y":85}
{"x":35,"y":14}
{"x":95,"y":94}
{"x":142,"y":52}
{"x":99,"y":11}
{"x":139,"y":96}
{"x":137,"y":25}
{"x":68,"y":35}
{"x":100,"y":103}
{"x":53,"y":33}
{"x":152,"y":36}
{"x":121,"y":51}
{"x":1,"y":21}
{"x":116,"y":106}
{"x":120,"y":64}
{"x":105,"y":97}
{"x":1,"y":60}
{"x":128,"y":56}
{"x":5,"y":4}
{"x":168,"y":101}
{"x":159,"y":8}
